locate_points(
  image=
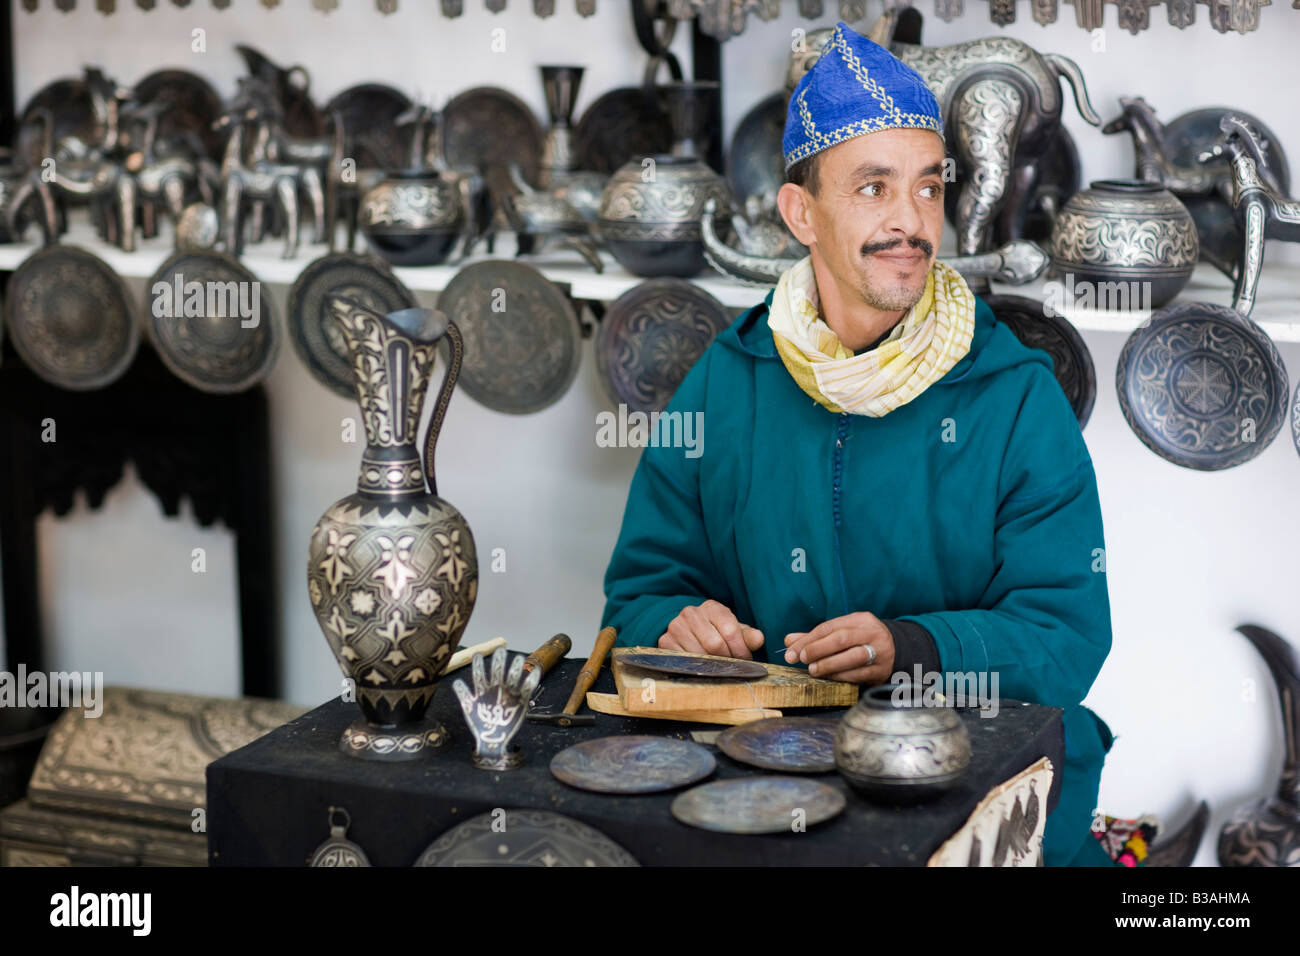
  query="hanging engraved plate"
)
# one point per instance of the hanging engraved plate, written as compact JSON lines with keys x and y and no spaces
{"x":1182,"y":13}
{"x":586,"y":8}
{"x":1045,"y":11}
{"x":338,"y":850}
{"x":851,"y":11}
{"x":813,"y":9}
{"x":496,"y":6}
{"x":1244,"y":15}
{"x":543,"y":8}
{"x":1002,"y":12}
{"x":106,"y":6}
{"x":948,"y":10}
{"x":325,"y":6}
{"x":386,"y":6}
{"x":453,"y":8}
{"x":67,"y":6}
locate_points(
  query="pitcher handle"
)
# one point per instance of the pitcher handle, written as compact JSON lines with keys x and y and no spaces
{"x":444,"y":396}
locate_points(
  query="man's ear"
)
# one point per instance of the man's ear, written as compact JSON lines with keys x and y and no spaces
{"x":795,"y":205}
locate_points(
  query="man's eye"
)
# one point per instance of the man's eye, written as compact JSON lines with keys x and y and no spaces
{"x":934,"y":190}
{"x":873,"y":189}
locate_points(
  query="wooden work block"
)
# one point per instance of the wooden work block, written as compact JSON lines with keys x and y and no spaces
{"x":782,"y":687}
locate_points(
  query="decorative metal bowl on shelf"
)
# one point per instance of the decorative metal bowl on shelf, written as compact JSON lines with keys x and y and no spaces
{"x":412,"y":218}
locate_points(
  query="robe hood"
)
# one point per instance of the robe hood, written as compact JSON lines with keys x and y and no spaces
{"x":750,"y":334}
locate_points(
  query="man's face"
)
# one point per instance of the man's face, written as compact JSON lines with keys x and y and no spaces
{"x":878,"y":216}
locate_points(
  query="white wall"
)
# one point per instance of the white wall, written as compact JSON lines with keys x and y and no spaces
{"x":1191,"y":555}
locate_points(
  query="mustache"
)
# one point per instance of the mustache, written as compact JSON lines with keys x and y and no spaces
{"x":916,"y":242}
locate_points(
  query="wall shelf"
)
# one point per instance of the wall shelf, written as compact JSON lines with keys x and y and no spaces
{"x":1277,"y":306}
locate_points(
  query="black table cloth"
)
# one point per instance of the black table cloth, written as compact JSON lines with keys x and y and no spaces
{"x":268,"y":802}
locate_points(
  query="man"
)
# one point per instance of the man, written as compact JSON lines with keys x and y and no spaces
{"x":890,"y":479}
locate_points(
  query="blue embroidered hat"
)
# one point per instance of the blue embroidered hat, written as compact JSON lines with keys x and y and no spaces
{"x":857,"y":87}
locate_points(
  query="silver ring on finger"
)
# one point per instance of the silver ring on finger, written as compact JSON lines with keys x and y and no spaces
{"x":871,"y":651}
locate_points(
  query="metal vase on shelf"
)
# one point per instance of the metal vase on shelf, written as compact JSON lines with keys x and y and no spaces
{"x":558,"y":171}
{"x":1125,"y":232}
{"x":392,"y":572}
{"x":650,"y":211}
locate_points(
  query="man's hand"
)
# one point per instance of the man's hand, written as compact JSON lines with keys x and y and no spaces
{"x":837,"y":649}
{"x":711,"y":628}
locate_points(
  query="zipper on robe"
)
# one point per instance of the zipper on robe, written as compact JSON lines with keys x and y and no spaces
{"x":837,"y":476}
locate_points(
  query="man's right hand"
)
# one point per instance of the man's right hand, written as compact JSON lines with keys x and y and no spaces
{"x":711,"y":628}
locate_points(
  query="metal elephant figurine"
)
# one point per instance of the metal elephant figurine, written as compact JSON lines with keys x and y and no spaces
{"x":1001,"y":101}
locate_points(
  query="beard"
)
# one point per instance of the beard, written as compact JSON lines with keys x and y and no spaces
{"x":896,"y":294}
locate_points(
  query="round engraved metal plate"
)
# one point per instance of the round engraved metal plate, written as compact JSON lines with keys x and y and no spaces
{"x":1071,"y":360}
{"x":524,"y":838}
{"x":314,"y":331}
{"x":370,"y":111}
{"x":1295,"y":419}
{"x":212,"y":322}
{"x":1202,"y":386}
{"x":758,"y":805}
{"x":488,"y":125}
{"x":785,"y":744}
{"x":621,"y":124}
{"x":696,"y":666}
{"x":635,"y":763}
{"x":522,"y":337}
{"x":756,"y":164}
{"x":650,"y":337}
{"x":71,"y":318}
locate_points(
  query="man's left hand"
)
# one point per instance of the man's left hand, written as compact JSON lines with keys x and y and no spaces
{"x":837,"y":649}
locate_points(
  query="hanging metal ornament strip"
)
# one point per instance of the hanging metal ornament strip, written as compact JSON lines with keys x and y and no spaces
{"x":386,"y":6}
{"x":543,"y":8}
{"x":1045,"y":11}
{"x":1089,"y":14}
{"x":67,"y":6}
{"x":586,"y":8}
{"x":496,"y":6}
{"x":948,"y":10}
{"x":270,"y":4}
{"x":813,"y":9}
{"x":146,"y":5}
{"x":221,"y":4}
{"x":106,"y":6}
{"x":453,"y":8}
{"x":851,"y":11}
{"x":181,"y":3}
{"x":1002,"y":12}
{"x":1182,"y":13}
{"x":30,"y":5}
{"x":325,"y":6}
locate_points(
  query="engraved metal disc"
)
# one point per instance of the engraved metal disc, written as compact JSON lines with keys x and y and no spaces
{"x":219,"y":334}
{"x":620,"y":125}
{"x":524,"y":838}
{"x":488,"y":125}
{"x":1202,"y":386}
{"x":696,"y":665}
{"x":787,"y":744}
{"x":1295,"y":419}
{"x":521,"y":333}
{"x":369,"y":112}
{"x":316,"y":336}
{"x":71,"y":318}
{"x":650,"y":337}
{"x":636,"y":763}
{"x":192,"y":107}
{"x":74,"y":115}
{"x":758,"y":804}
{"x":756,"y":163}
{"x":1071,"y":359}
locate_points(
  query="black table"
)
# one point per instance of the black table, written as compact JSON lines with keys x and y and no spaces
{"x":268,"y":802}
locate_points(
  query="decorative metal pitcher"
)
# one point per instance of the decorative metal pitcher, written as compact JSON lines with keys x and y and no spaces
{"x":392,"y":572}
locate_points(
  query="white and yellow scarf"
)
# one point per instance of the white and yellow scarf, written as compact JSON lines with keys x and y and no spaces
{"x":930,"y":340}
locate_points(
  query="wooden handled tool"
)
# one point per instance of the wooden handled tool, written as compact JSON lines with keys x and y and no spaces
{"x":548,"y":655}
{"x":569,"y":717}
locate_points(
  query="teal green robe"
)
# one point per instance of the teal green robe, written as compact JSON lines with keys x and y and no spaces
{"x":972,"y":510}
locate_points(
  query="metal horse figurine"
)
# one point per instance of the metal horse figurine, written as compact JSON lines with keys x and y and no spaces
{"x":1262,"y":211}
